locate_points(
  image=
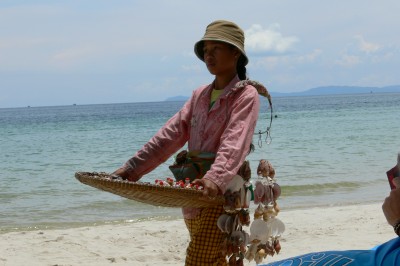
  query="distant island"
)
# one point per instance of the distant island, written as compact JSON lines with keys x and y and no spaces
{"x":332,"y":90}
{"x":177,"y":98}
{"x":328,"y":90}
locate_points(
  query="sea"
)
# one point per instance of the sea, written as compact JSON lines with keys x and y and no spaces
{"x":329,"y":150}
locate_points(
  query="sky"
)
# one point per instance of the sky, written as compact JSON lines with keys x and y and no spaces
{"x":96,"y":51}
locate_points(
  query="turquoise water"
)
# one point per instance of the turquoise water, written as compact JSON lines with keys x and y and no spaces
{"x":327,"y":150}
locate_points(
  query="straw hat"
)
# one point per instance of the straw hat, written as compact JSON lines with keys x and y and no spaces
{"x":223,"y":31}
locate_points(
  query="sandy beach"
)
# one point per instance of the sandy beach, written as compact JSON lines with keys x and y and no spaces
{"x":153,"y":242}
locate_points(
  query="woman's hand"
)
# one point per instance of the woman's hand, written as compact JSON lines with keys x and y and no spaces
{"x":391,"y":207}
{"x":121,"y":172}
{"x":211,"y":190}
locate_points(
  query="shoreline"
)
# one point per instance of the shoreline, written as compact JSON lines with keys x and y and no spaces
{"x":151,"y":241}
{"x":176,"y":215}
{"x":76,"y":225}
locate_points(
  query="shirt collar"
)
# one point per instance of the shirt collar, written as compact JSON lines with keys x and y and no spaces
{"x":228,"y":88}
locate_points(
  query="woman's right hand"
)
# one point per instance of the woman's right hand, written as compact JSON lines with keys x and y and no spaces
{"x":210,"y":189}
{"x":121,"y":172}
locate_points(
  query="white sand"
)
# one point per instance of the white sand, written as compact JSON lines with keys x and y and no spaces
{"x":164,"y":242}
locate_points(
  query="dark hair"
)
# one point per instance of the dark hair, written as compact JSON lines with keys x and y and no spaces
{"x":252,"y":148}
{"x":242,"y":74}
{"x":241,"y":68}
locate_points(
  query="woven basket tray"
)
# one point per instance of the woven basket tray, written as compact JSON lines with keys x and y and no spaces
{"x":148,"y":193}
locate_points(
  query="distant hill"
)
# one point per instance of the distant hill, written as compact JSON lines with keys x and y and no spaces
{"x":332,"y":90}
{"x":328,"y":90}
{"x":176,"y":99}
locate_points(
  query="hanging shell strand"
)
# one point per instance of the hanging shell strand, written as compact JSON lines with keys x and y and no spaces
{"x":265,"y":230}
{"x":237,"y":203}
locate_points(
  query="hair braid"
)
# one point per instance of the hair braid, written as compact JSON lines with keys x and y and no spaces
{"x":241,"y":69}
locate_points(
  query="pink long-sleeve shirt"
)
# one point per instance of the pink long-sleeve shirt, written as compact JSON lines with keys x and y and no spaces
{"x":226,"y":129}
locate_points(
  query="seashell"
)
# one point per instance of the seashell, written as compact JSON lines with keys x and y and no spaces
{"x":239,"y":262}
{"x":221,"y":222}
{"x":235,"y":248}
{"x":244,"y":217}
{"x":237,"y":237}
{"x":229,"y":223}
{"x":262,"y":168}
{"x":259,"y":192}
{"x":261,"y":253}
{"x":265,"y":169}
{"x":245,"y":171}
{"x":245,"y":197}
{"x":258,"y":213}
{"x":246,"y":238}
{"x":269,"y":213}
{"x":235,"y":223}
{"x":269,"y":248}
{"x":235,"y":184}
{"x":277,"y":246}
{"x":276,"y":208}
{"x":276,"y":227}
{"x":251,"y":252}
{"x":229,"y":205}
{"x":258,"y":257}
{"x":257,"y":216}
{"x":232,"y":260}
{"x":272,"y":172}
{"x":238,"y":201}
{"x":243,"y":249}
{"x":276,"y":191}
{"x":268,"y":194}
{"x":259,"y":230}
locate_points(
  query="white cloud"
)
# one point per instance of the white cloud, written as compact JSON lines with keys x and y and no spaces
{"x":287,"y":60}
{"x":270,"y":40}
{"x":309,"y":57}
{"x":367,"y":47}
{"x":348,"y":60}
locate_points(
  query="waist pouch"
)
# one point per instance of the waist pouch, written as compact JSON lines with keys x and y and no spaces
{"x":192,"y":165}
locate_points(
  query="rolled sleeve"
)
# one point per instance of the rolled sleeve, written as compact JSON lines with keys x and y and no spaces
{"x":169,"y":139}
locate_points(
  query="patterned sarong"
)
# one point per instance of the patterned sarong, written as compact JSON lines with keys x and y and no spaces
{"x":205,"y":239}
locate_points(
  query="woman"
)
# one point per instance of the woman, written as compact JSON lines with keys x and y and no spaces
{"x":219,"y":118}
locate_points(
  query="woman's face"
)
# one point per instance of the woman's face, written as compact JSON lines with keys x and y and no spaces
{"x":220,"y":58}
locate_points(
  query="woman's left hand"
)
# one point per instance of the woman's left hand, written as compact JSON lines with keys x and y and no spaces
{"x":211,"y":190}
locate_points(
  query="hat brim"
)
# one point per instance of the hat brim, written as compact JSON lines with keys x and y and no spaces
{"x":198,"y":49}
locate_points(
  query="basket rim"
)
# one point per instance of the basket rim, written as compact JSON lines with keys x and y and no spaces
{"x":145,"y":192}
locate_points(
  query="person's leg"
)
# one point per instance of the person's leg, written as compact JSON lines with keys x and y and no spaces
{"x":205,"y":239}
